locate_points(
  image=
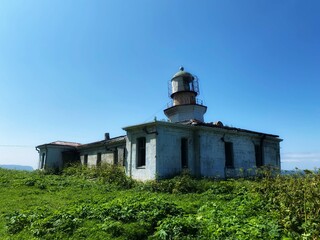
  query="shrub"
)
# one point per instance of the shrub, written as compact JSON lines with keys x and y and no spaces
{"x":184,"y":227}
{"x":16,"y":221}
{"x":296,"y":199}
{"x":106,"y":173}
{"x":183,"y":183}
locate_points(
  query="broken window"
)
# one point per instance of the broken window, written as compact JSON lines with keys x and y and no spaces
{"x":258,"y":154}
{"x":85,"y":160}
{"x":99,"y":159}
{"x":141,"y":152}
{"x":228,"y":148}
{"x":184,"y":152}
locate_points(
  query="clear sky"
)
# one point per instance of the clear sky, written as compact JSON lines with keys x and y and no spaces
{"x":74,"y":69}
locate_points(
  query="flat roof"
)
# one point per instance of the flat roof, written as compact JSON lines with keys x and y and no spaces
{"x":62,"y":143}
{"x":195,"y":123}
{"x":79,"y":145}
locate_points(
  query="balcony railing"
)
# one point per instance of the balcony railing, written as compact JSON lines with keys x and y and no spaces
{"x":198,"y":102}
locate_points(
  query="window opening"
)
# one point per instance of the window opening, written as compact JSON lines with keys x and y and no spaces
{"x":85,"y":160}
{"x":141,"y":150}
{"x":258,"y":154}
{"x":228,"y":147}
{"x":186,"y":85}
{"x":99,"y":159}
{"x":115,"y":156}
{"x":184,"y":152}
{"x":43,"y":156}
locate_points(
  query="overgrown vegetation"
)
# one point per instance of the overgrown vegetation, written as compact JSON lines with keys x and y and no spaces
{"x":102,"y":203}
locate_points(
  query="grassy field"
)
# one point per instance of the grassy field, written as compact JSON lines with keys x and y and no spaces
{"x":103,"y":203}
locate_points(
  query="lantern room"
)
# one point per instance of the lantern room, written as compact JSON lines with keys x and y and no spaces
{"x":183,"y":90}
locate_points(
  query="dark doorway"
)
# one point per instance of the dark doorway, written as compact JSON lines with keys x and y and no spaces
{"x":258,"y":153}
{"x":141,"y":150}
{"x":184,"y":152}
{"x":98,"y":159}
{"x":228,"y":148}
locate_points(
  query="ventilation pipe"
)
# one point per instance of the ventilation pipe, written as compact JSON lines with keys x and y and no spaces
{"x":107,"y":136}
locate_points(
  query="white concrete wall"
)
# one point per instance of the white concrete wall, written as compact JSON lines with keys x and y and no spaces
{"x":212,"y":154}
{"x":206,"y":151}
{"x":121,"y":156}
{"x":108,"y":158}
{"x":169,"y":150}
{"x":243,"y":155}
{"x":53,"y":158}
{"x":93,"y":155}
{"x":147,"y":172}
{"x":107,"y":155}
{"x":243,"y":151}
{"x":271,"y":153}
{"x":181,"y":113}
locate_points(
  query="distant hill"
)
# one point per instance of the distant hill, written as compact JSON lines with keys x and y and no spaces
{"x":17,"y":167}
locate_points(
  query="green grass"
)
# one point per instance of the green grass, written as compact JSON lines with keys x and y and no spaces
{"x":83,"y":203}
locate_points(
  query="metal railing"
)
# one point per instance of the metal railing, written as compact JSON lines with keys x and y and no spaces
{"x":193,"y":86}
{"x":198,"y":102}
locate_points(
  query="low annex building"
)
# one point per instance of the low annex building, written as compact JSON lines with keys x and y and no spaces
{"x":162,"y":149}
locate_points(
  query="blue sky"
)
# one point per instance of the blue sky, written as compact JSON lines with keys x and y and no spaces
{"x":73,"y":70}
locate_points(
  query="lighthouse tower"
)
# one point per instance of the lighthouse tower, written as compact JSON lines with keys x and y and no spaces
{"x":183,"y":90}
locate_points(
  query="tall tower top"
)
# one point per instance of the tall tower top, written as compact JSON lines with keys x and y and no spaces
{"x":183,"y":90}
{"x":181,"y":72}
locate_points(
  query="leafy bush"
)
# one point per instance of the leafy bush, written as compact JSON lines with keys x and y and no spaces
{"x":89,"y":203}
{"x":61,"y":223}
{"x":296,"y":199}
{"x":183,"y":183}
{"x":244,"y":217}
{"x":16,"y":221}
{"x":106,"y":173}
{"x":185,"y":227}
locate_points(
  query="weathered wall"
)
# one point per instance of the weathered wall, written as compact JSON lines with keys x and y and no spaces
{"x":169,"y":150}
{"x":206,"y":151}
{"x":108,"y":158}
{"x":149,"y":170}
{"x":213,"y":153}
{"x":186,"y":112}
{"x":93,"y":155}
{"x":243,"y":155}
{"x":121,"y":156}
{"x":53,"y":156}
{"x":212,"y":156}
{"x":272,"y":153}
{"x":112,"y":155}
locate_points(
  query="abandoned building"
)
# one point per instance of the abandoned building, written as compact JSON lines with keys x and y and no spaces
{"x":165,"y":148}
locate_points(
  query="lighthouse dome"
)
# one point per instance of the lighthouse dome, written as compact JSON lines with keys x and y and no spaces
{"x":182,"y":73}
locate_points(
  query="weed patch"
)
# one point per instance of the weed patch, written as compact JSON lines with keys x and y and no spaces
{"x":92,"y":203}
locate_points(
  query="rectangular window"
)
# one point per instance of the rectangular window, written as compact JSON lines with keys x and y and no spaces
{"x":85,"y":160}
{"x":184,"y":152}
{"x":115,"y":156}
{"x":258,"y":154}
{"x":43,"y":157}
{"x":141,"y":152}
{"x":228,"y":148}
{"x":98,"y":159}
